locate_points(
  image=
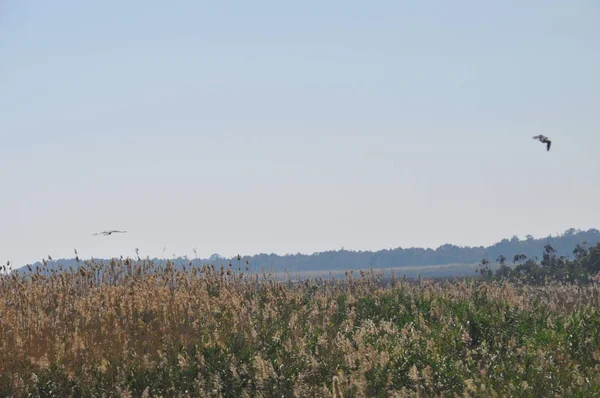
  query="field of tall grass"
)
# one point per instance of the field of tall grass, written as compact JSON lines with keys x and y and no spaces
{"x":134,"y":329}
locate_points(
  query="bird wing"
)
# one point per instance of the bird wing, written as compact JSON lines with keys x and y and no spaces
{"x":108,"y":232}
{"x":548,"y":145}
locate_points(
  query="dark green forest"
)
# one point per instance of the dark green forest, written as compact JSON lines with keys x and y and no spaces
{"x":528,"y":250}
{"x":582,"y":266}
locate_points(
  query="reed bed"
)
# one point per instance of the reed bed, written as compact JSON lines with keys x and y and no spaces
{"x":134,"y":329}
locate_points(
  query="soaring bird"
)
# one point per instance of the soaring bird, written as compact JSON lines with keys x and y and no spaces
{"x":106,"y":233}
{"x":544,"y":139}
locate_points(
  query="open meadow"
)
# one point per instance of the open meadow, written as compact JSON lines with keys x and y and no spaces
{"x":332,"y":198}
{"x":134,"y":329}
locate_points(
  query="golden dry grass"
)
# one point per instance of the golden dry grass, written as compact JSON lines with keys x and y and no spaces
{"x":134,"y":329}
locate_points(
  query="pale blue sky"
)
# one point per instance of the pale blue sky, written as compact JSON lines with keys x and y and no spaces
{"x":272,"y":126}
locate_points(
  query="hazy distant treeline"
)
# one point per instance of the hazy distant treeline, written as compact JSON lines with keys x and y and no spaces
{"x":399,"y":257}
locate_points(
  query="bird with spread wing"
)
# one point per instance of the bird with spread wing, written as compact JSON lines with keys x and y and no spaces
{"x":107,"y":233}
{"x":543,"y":139}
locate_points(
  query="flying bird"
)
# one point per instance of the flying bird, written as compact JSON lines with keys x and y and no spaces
{"x":106,"y":233}
{"x":543,"y":139}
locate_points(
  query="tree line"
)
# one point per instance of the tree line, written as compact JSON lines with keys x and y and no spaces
{"x":582,"y":266}
{"x":344,"y":259}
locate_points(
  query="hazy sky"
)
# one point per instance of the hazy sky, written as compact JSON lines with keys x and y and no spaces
{"x":271,"y":126}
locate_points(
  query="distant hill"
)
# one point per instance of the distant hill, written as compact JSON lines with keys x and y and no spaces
{"x":336,"y":260}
